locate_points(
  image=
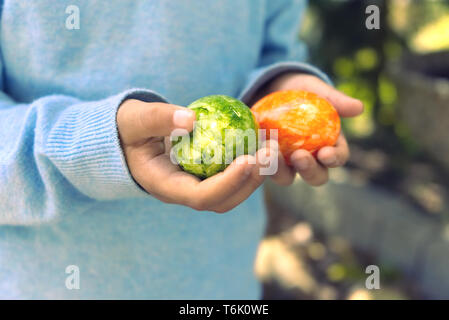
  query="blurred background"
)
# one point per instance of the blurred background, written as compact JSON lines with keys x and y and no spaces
{"x":389,"y":206}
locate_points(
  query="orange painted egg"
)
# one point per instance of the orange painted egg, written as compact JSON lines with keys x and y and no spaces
{"x":303,"y":120}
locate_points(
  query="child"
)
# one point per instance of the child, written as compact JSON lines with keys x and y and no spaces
{"x":90,"y":205}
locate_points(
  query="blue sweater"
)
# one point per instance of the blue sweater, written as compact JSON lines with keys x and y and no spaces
{"x":66,"y":195}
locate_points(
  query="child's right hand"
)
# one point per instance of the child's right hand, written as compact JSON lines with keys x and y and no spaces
{"x":144,"y":129}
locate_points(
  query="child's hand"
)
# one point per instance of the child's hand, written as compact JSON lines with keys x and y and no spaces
{"x":144,"y":129}
{"x":312,"y":171}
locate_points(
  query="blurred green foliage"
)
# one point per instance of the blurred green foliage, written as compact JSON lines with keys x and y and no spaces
{"x":357,"y":58}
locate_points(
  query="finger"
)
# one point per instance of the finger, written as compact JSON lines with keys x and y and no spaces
{"x":253,"y":182}
{"x":285,"y":174}
{"x":336,"y":156}
{"x":309,"y":169}
{"x":141,"y":120}
{"x":183,"y":188}
{"x":217,"y":189}
{"x":345,"y":105}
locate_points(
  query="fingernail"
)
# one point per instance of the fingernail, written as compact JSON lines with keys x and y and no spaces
{"x":302,"y":164}
{"x":182,"y":118}
{"x":356,"y":100}
{"x":330,"y":161}
{"x":248,"y":170}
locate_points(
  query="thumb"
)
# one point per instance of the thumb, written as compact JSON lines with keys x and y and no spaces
{"x":138,"y":120}
{"x":345,"y":105}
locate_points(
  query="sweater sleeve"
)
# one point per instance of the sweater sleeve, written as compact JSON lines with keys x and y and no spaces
{"x":59,"y":149}
{"x":281,"y":49}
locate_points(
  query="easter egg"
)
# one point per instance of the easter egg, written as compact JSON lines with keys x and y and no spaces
{"x":303,"y":120}
{"x":224,"y":129}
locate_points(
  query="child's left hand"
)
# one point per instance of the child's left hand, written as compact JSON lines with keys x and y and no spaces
{"x":314,"y":171}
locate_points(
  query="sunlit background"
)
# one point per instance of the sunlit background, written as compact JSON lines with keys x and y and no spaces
{"x":389,"y":206}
